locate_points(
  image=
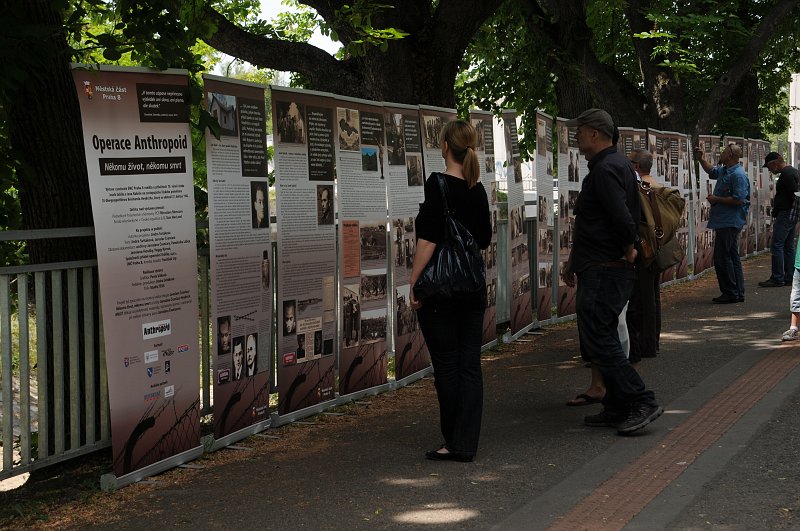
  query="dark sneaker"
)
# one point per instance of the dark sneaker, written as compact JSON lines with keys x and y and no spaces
{"x":641,"y":415}
{"x":603,"y":419}
{"x":771,"y":284}
{"x":726,"y":299}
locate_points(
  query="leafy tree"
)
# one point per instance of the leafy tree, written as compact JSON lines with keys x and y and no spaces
{"x":696,"y":66}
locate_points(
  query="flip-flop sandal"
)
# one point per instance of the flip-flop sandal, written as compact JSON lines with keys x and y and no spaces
{"x":583,"y":400}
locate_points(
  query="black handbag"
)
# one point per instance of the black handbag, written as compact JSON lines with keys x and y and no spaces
{"x":456,"y":267}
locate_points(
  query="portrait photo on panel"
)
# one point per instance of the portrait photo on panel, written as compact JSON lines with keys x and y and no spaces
{"x":318,"y":343}
{"x":300,"y":352}
{"x":289,"y":317}
{"x":259,"y":201}
{"x":324,"y":204}
{"x":224,"y":335}
{"x":237,"y":369}
{"x":251,"y":354}
{"x":291,"y":122}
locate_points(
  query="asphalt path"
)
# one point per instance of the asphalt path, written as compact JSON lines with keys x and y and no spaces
{"x":363,"y":468}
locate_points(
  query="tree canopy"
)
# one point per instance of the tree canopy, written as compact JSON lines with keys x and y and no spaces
{"x":694,"y":66}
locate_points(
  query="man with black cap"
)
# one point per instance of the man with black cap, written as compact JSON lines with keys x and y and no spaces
{"x":782,"y":247}
{"x":602,"y":259}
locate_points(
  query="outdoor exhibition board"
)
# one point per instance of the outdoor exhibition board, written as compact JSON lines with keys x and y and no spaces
{"x":704,"y":237}
{"x":483,"y":123}
{"x":139,"y":161}
{"x":520,"y":286}
{"x":363,"y":257}
{"x":766,"y":189}
{"x":240,"y":247}
{"x":753,"y":170}
{"x":664,"y":148}
{"x":685,"y":163}
{"x":630,"y":139}
{"x":572,"y":167}
{"x":545,"y":223}
{"x":304,"y":125}
{"x":405,"y":179}
{"x":432,"y":120}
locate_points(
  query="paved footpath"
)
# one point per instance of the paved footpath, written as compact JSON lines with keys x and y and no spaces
{"x":723,"y":456}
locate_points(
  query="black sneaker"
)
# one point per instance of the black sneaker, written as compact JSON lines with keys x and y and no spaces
{"x":603,"y":419}
{"x":641,"y":415}
{"x":726,"y":299}
{"x":771,"y":284}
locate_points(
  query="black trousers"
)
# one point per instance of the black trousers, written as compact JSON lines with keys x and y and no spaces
{"x":453,"y":332}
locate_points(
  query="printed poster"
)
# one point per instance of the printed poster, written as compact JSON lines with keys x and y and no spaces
{"x":240,"y":249}
{"x":664,"y":147}
{"x":364,"y":297}
{"x":432,"y":120}
{"x":405,"y":179}
{"x":545,"y":225}
{"x":305,"y":132}
{"x":520,"y":292}
{"x":572,"y":168}
{"x":139,"y":161}
{"x":765,"y":197}
{"x":683,"y":158}
{"x":483,"y":123}
{"x":704,"y":237}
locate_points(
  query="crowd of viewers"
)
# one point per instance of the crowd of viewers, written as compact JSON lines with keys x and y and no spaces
{"x":617,"y":293}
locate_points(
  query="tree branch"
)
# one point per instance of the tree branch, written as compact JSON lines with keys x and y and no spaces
{"x":316,"y":64}
{"x":742,"y":61}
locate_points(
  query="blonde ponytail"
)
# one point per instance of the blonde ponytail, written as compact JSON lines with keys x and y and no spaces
{"x":461,"y":138}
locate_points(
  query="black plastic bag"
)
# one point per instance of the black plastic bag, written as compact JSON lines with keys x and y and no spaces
{"x":456,"y":267}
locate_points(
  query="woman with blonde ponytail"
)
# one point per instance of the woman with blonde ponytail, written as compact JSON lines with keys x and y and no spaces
{"x":452,"y":326}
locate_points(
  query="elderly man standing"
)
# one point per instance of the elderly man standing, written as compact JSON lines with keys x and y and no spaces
{"x":782,"y":247}
{"x":602,"y":260}
{"x":729,"y":205}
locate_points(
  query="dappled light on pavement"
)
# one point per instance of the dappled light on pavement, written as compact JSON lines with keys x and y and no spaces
{"x":437,"y":513}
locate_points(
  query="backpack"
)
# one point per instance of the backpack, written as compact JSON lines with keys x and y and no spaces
{"x":662,"y":208}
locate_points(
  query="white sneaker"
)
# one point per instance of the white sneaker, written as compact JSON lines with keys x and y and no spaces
{"x":791,"y":335}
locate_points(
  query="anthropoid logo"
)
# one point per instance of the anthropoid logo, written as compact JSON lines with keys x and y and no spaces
{"x":156,"y":329}
{"x":149,"y":372}
{"x":126,"y":361}
{"x":183,"y":348}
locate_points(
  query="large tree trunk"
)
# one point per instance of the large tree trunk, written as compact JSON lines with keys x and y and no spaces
{"x":45,"y":135}
{"x":420,"y":68}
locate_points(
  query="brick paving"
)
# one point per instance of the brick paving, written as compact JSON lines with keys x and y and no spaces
{"x":614,"y":503}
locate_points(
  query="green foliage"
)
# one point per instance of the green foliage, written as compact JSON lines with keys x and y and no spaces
{"x":506,"y":67}
{"x":357,"y":18}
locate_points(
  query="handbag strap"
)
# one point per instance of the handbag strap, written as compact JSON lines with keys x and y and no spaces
{"x":658,"y":229}
{"x":443,"y":188}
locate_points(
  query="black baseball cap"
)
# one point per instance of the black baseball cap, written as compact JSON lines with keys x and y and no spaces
{"x":771,"y":156}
